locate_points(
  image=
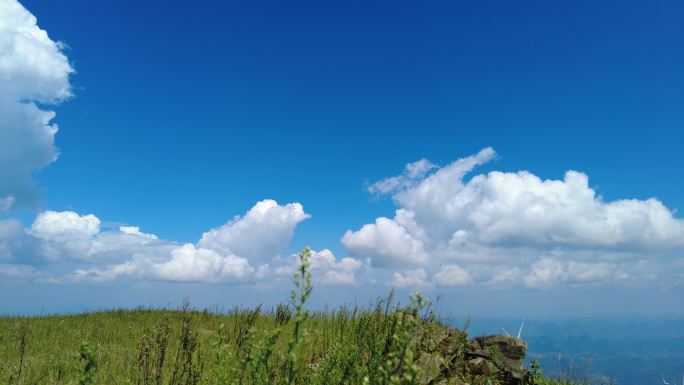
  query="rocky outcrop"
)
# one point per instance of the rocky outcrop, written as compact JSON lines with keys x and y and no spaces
{"x":448,"y":357}
{"x":502,"y":354}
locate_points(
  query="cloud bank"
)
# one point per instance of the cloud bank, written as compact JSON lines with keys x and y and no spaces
{"x":506,"y":227}
{"x":240,"y":251}
{"x":33,"y":73}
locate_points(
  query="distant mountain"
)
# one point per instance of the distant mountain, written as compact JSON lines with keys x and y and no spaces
{"x":618,"y":350}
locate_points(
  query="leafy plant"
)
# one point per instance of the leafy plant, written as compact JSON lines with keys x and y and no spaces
{"x":87,"y":360}
{"x":299,"y":295}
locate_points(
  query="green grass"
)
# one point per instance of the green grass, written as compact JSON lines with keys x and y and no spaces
{"x":376,"y":345}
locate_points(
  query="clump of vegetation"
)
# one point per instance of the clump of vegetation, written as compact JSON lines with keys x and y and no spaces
{"x":87,"y":359}
{"x":382,"y":344}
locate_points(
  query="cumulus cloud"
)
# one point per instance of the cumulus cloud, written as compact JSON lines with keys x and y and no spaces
{"x":104,"y":255}
{"x":329,"y":270}
{"x":64,"y":225}
{"x":385,"y":242}
{"x":66,"y":233}
{"x":326,"y":269}
{"x":452,"y":275}
{"x":412,"y":279}
{"x":505,"y":225}
{"x":244,"y":236}
{"x":33,"y":73}
{"x":189,"y":263}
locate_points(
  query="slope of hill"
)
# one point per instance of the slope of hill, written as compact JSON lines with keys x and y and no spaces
{"x":375,"y":345}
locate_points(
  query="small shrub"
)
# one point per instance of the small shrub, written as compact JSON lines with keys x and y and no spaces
{"x":87,"y":364}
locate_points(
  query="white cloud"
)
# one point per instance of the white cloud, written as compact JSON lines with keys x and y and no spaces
{"x":189,"y":263}
{"x":33,"y":71}
{"x":135,"y":231}
{"x":70,"y":237}
{"x":325,"y":268}
{"x":413,"y":172}
{"x":452,"y":275}
{"x":386,"y":243}
{"x":508,"y":276}
{"x":549,"y":272}
{"x":328,"y":270}
{"x":410,"y":279}
{"x":64,"y":226}
{"x":65,"y":233}
{"x":106,"y":255}
{"x":264,"y":231}
{"x":498,"y":224}
{"x":107,"y":274}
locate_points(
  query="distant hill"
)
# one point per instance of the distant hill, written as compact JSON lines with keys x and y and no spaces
{"x":625,"y":350}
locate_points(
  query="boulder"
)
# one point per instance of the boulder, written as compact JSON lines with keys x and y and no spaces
{"x":506,"y":352}
{"x":481,"y":367}
{"x":431,"y":366}
{"x":447,"y":357}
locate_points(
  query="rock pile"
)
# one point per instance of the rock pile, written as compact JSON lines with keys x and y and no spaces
{"x":448,"y":357}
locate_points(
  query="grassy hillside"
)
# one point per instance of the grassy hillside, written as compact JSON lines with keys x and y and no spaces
{"x":382,"y":344}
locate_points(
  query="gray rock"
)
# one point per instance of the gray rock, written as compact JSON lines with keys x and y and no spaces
{"x":447,"y":357}
{"x":431,"y":366}
{"x":506,"y":352}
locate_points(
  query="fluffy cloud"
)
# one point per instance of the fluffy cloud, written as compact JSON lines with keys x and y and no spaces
{"x":452,"y":275}
{"x":106,"y":255}
{"x":66,"y":233}
{"x":325,"y":268}
{"x":33,"y":72}
{"x":507,"y":225}
{"x":328,"y":270}
{"x":189,"y":263}
{"x":385,"y":242}
{"x":245,"y":236}
{"x":64,"y":225}
{"x":414,"y":279}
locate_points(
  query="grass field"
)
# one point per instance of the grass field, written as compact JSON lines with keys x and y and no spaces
{"x":379,"y":344}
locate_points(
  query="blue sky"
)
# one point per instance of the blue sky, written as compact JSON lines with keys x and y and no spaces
{"x":178,"y":117}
